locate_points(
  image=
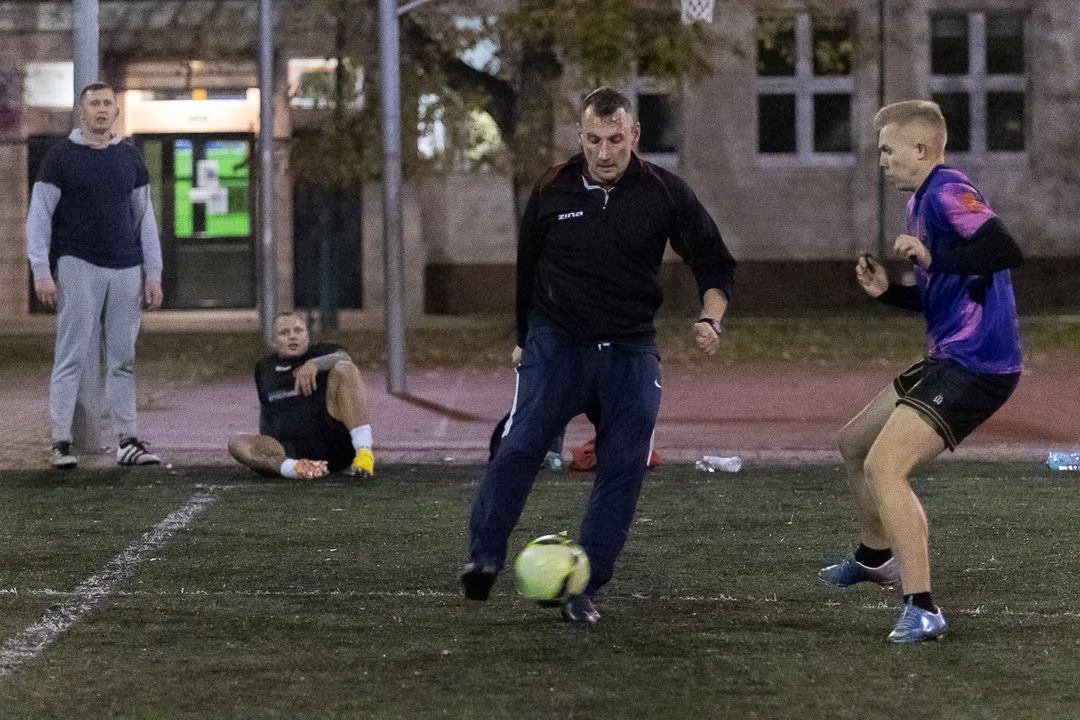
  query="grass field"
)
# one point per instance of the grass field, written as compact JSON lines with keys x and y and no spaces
{"x":339,"y":600}
{"x":485,"y":342}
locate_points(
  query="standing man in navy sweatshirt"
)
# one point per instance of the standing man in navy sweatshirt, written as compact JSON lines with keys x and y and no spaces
{"x":588,"y":263}
{"x":91,"y":207}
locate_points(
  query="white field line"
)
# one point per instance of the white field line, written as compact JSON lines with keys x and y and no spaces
{"x":33,"y":640}
{"x":981,"y":610}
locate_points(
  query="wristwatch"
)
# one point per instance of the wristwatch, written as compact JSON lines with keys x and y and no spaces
{"x":714,"y":324}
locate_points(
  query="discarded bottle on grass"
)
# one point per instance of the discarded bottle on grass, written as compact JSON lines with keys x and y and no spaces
{"x":712,"y":463}
{"x":1064,"y":460}
{"x":553,"y":461}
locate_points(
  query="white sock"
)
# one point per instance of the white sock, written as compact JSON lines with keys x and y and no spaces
{"x":288,"y":468}
{"x":361,"y":437}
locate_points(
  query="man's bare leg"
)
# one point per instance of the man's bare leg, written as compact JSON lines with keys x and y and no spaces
{"x":346,"y":395}
{"x":906,"y":440}
{"x":265,"y":455}
{"x":347,"y":401}
{"x":855,"y":441}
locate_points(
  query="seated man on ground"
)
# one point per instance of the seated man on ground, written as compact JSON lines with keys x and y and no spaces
{"x":313,"y":410}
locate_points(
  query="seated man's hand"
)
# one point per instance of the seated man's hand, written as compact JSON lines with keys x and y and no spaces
{"x":306,"y":378}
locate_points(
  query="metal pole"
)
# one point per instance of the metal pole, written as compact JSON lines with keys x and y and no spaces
{"x":393,"y":247}
{"x":87,"y":426}
{"x":267,"y":260}
{"x":881,"y":104}
{"x":85,"y":37}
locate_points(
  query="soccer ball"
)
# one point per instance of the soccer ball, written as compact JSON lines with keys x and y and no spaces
{"x":551,"y":568}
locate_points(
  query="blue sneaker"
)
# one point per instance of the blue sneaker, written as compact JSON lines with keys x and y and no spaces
{"x":916,"y":625}
{"x":849,"y":572}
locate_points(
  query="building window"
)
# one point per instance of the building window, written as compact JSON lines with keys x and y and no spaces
{"x":805,"y":86}
{"x":977,"y":73}
{"x":658,"y":114}
{"x":656,"y":107}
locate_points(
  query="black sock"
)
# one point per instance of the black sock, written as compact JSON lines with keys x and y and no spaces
{"x":872,"y":558}
{"x":921,"y":600}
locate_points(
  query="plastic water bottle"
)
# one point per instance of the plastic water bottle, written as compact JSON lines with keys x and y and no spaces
{"x":712,"y":463}
{"x":1063,"y":460}
{"x":553,"y":461}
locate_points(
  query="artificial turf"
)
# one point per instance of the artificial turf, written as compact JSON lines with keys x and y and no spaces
{"x":336,"y":599}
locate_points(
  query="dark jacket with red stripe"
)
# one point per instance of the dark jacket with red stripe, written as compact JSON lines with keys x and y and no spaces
{"x":588,"y":261}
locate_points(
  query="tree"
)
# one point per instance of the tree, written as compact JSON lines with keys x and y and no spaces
{"x":606,"y":42}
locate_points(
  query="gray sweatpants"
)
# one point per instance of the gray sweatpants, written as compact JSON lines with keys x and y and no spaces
{"x":88,"y":292}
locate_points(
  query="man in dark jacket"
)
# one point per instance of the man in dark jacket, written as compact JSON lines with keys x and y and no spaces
{"x":589,"y":253}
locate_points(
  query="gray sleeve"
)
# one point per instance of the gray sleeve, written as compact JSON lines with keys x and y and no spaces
{"x":43,"y":203}
{"x":325,"y":362}
{"x":148,"y":232}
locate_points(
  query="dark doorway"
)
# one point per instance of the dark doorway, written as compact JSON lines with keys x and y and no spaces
{"x":336,"y":214}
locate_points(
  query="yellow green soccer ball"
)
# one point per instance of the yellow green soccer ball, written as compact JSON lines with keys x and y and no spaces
{"x":551,"y":568}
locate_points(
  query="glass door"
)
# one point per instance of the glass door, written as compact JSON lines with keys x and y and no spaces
{"x":202,"y":193}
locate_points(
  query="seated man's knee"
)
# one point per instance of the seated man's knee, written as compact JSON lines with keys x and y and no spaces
{"x":345,"y":369}
{"x":240,"y":448}
{"x":344,"y":373}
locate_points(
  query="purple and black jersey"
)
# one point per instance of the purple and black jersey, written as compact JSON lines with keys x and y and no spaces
{"x":970,"y":319}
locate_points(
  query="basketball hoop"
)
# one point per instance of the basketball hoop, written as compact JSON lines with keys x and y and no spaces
{"x":697,"y":11}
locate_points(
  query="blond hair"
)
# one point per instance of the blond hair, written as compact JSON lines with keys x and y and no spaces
{"x":924,"y":113}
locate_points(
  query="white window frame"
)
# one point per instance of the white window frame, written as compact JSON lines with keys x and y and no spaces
{"x":978,"y":83}
{"x":804,"y":85}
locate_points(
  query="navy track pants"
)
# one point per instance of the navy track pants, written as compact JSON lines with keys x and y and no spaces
{"x":618,"y":388}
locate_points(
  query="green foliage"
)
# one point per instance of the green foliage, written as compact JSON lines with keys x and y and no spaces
{"x":520,"y":56}
{"x":611,"y":40}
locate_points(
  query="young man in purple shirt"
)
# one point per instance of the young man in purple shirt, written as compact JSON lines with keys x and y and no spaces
{"x":961,"y":254}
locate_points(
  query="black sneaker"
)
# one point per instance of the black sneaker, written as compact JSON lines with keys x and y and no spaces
{"x":61,"y":457}
{"x":580,"y":609}
{"x":477,"y":580}
{"x":132,"y":451}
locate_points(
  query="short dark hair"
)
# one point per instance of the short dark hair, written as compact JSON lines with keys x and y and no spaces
{"x":95,"y":86}
{"x":606,"y":101}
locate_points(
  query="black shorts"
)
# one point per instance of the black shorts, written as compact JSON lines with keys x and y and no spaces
{"x":331,"y":442}
{"x":952,"y":399}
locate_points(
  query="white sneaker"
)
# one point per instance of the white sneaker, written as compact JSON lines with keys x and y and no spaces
{"x":61,"y":457}
{"x":132,"y":451}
